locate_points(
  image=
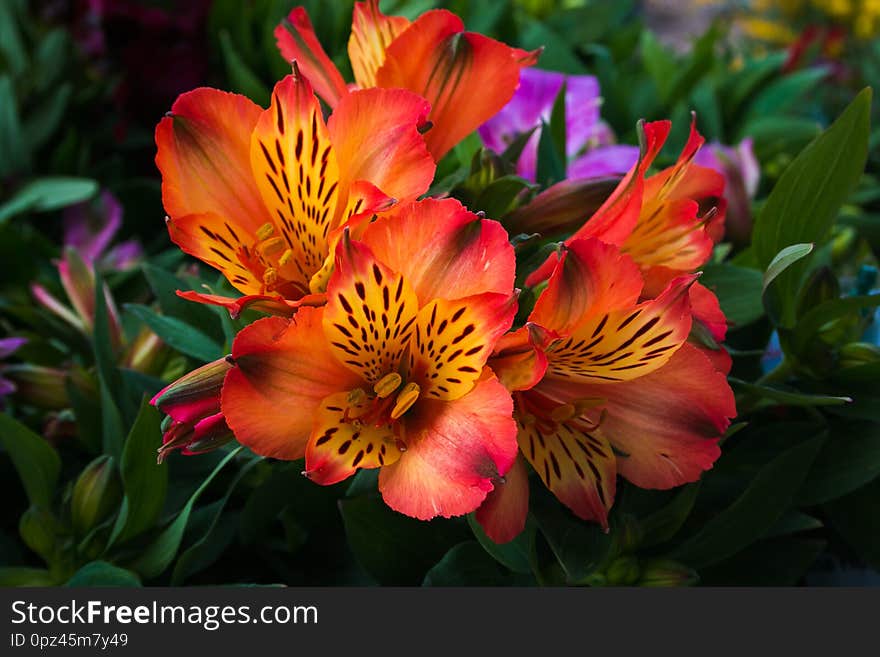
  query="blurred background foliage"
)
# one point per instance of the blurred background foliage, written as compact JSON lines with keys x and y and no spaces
{"x":793,"y":498}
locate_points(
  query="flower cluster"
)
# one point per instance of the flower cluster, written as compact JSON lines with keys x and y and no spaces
{"x":391,"y":338}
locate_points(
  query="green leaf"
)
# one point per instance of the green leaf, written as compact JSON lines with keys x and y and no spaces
{"x":177,"y":334}
{"x":393,"y":548}
{"x":787,"y":397}
{"x":855,"y":517}
{"x":42,"y":123}
{"x":808,"y":325}
{"x":551,"y":164}
{"x":46,"y":194}
{"x":16,"y":157}
{"x":559,"y":126}
{"x":144,"y":481}
{"x":500,"y":196}
{"x":156,"y":557}
{"x":804,"y":203}
{"x":36,"y":462}
{"x":208,"y":548}
{"x":848,"y":460}
{"x":783,"y":260}
{"x":754,"y":512}
{"x":165,"y":285}
{"x":21,"y":576}
{"x":784,"y":92}
{"x":101,"y":573}
{"x":738,"y":290}
{"x":513,"y":554}
{"x":662,"y":525}
{"x":241,"y":77}
{"x":579,"y":546}
{"x":466,"y":564}
{"x":109,"y":381}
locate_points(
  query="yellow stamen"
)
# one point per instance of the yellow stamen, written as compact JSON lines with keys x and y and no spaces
{"x":270,"y":277}
{"x":405,"y":400}
{"x":387,"y":384}
{"x":265,"y":231}
{"x":285,"y":258}
{"x":272,"y":246}
{"x":357,"y":397}
{"x":563,"y":413}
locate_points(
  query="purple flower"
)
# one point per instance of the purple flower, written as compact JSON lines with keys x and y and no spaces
{"x":89,"y":228}
{"x":8,"y":346}
{"x":742,"y":174}
{"x":589,"y":141}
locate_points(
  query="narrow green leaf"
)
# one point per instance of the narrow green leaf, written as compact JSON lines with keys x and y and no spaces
{"x":177,"y":334}
{"x":848,"y":460}
{"x":46,"y":194}
{"x":789,"y":398}
{"x":36,"y":462}
{"x":805,"y":201}
{"x":664,"y":524}
{"x":101,"y":573}
{"x":242,"y":78}
{"x":22,"y":576}
{"x":144,"y":481}
{"x":156,"y":557}
{"x":783,"y":260}
{"x":754,"y":512}
{"x":515,"y":553}
{"x":808,"y":325}
{"x":467,"y":564}
{"x":551,"y":165}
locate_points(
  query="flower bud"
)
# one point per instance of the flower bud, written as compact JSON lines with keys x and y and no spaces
{"x":37,"y":385}
{"x":38,"y":529}
{"x":666,"y":572}
{"x":564,"y":207}
{"x":96,"y":494}
{"x":146,"y":354}
{"x":858,"y":353}
{"x":200,"y":437}
{"x":195,"y":395}
{"x":623,"y":571}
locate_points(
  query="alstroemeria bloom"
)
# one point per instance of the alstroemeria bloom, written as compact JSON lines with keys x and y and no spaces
{"x":742,"y":174}
{"x":667,"y":222}
{"x":391,"y":373}
{"x":466,"y":77}
{"x":89,"y":227}
{"x":606,"y":384}
{"x":260,"y":194}
{"x":589,"y":141}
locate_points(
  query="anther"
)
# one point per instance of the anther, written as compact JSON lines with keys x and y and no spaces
{"x":270,"y":277}
{"x":265,"y":231}
{"x":387,"y":384}
{"x":285,"y":258}
{"x":584,"y":405}
{"x":272,"y":246}
{"x":405,"y":400}
{"x":357,"y":397}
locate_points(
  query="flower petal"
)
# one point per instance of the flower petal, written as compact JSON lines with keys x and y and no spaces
{"x":592,"y":278}
{"x":297,"y":172}
{"x":297,"y":41}
{"x":466,"y":77}
{"x":375,"y":133}
{"x":444,"y":250}
{"x":517,"y":362}
{"x":627,"y":343}
{"x":455,"y":452}
{"x":266,"y":303}
{"x":339,"y":446}
{"x":453,"y":340}
{"x":665,"y":426}
{"x":616,"y":218}
{"x":503,"y":514}
{"x":370,"y":312}
{"x":371,"y":32}
{"x":223,"y":245}
{"x":204,"y":156}
{"x":284,"y":369}
{"x":670,"y":234}
{"x":575,"y":464}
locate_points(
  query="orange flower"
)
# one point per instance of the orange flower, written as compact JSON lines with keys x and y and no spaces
{"x":668,"y":223}
{"x":466,"y":77}
{"x":391,"y":373}
{"x":606,"y":384}
{"x":261,"y":195}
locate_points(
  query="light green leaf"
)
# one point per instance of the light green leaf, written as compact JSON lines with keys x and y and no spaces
{"x":36,"y":462}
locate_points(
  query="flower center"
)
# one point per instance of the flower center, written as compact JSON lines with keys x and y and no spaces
{"x":388,"y":401}
{"x":282,"y":271}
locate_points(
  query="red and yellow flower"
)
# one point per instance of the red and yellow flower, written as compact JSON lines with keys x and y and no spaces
{"x":391,"y":373}
{"x":606,"y":384}
{"x":262,"y":195}
{"x":466,"y":77}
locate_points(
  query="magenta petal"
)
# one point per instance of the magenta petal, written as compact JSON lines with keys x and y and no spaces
{"x":9,"y":346}
{"x":89,"y":227}
{"x":604,"y":161}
